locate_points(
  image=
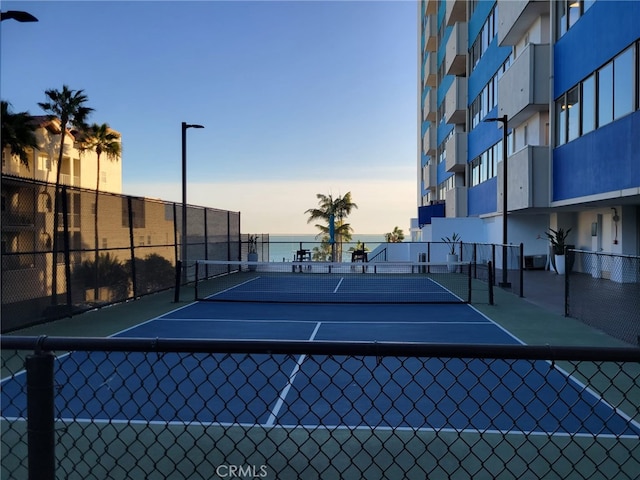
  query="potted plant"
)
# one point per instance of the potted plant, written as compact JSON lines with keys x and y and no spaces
{"x":558,"y":239}
{"x":252,"y":243}
{"x":452,"y":256}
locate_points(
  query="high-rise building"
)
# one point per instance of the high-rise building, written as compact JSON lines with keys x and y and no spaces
{"x":563,"y":77}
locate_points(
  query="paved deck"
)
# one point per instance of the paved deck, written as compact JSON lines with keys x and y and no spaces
{"x":545,"y":289}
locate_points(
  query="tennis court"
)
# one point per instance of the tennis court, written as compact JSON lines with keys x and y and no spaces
{"x":467,"y":397}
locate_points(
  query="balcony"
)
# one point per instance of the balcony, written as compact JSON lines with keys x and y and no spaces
{"x":455,"y":102}
{"x":456,"y":11}
{"x":524,"y":89}
{"x":430,"y":71}
{"x":430,"y":179}
{"x":515,"y":18}
{"x":528,"y":182}
{"x":427,"y":212}
{"x":429,"y":141}
{"x":456,"y":148}
{"x":456,"y":50}
{"x":456,"y":202}
{"x":429,"y":108}
{"x":431,"y":7}
{"x":430,"y":34}
{"x":17,"y":220}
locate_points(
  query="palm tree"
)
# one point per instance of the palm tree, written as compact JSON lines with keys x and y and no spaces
{"x":67,"y":106}
{"x":337,"y":210}
{"x":18,"y":133}
{"x":396,"y":236}
{"x":101,"y":139}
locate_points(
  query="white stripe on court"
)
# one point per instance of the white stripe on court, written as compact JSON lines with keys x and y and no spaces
{"x":276,"y":409}
{"x":330,"y":428}
{"x":335,"y":290}
{"x":366,"y":322}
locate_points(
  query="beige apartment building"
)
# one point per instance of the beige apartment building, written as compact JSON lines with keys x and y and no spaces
{"x":28,"y":219}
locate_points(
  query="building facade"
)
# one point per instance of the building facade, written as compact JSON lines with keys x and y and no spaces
{"x":563,"y":78}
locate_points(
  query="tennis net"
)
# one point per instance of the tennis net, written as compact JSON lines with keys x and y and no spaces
{"x":332,"y":282}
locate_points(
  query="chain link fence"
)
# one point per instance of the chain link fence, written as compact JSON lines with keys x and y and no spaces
{"x":161,"y":408}
{"x":507,"y":274}
{"x":603,"y":290}
{"x":130,"y":248}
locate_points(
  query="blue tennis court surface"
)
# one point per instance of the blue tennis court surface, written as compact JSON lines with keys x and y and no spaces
{"x":329,"y":391}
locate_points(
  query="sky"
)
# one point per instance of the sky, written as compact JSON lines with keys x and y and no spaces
{"x":297,"y":98}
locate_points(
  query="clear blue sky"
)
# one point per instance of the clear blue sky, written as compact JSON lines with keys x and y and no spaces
{"x":297,"y":97}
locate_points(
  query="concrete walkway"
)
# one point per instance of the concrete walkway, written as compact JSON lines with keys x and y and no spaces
{"x":545,"y":289}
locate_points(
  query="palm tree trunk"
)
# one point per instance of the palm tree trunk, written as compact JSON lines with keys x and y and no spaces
{"x":56,"y":210}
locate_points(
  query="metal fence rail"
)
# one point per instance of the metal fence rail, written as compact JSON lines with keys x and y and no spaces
{"x":603,"y":290}
{"x":162,"y":408}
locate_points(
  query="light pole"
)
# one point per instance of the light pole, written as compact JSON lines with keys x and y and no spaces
{"x":17,"y":16}
{"x":505,"y":125}
{"x":183,"y":249}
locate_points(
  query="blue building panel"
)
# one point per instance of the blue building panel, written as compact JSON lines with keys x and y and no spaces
{"x":486,"y":68}
{"x":425,"y":214}
{"x":599,"y":162}
{"x":485,"y":135}
{"x":482,"y":198}
{"x":585,"y":46}
{"x":480,"y":14}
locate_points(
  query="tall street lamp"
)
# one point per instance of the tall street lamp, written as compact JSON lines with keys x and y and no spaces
{"x":183,"y":249}
{"x":17,"y":16}
{"x":505,"y":125}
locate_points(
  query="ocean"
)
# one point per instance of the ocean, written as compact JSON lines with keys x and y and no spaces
{"x":284,"y":247}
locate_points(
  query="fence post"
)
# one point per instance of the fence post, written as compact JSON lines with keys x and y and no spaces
{"x":490,"y":280}
{"x":132,"y":248}
{"x":566,"y":285}
{"x":176,"y":291}
{"x":521,"y":270}
{"x":469,"y":280}
{"x":40,"y":416}
{"x":493,"y":261}
{"x":65,"y":246}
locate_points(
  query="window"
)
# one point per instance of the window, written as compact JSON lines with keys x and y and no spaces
{"x":573,"y":113}
{"x":605,"y":94}
{"x":561,"y":121}
{"x":484,"y":167}
{"x":588,"y":104}
{"x":623,"y":73}
{"x":610,"y":93}
{"x":568,"y":12}
{"x":561,"y":15}
{"x":44,"y":162}
{"x":483,"y":40}
{"x":575,"y":7}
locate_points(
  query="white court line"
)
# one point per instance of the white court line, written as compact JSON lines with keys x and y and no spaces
{"x":365,"y":322}
{"x":330,"y":428}
{"x":276,"y":409}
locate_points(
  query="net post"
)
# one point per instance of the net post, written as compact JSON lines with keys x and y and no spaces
{"x":176,"y":294}
{"x":40,"y":416}
{"x":490,"y":280}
